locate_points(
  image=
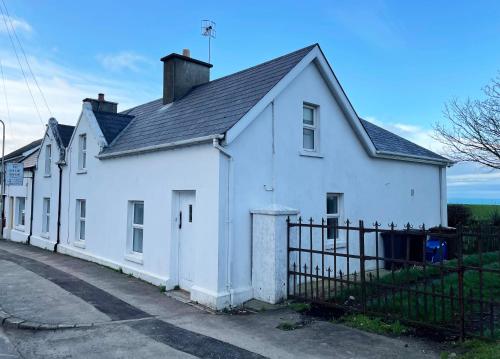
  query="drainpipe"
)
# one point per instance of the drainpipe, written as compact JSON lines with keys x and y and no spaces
{"x":217,"y":145}
{"x":59,"y":209}
{"x":32,"y":200}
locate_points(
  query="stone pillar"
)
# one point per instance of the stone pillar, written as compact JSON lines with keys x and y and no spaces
{"x":269,"y":252}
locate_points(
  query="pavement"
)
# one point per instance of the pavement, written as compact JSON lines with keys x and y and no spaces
{"x":56,"y":306}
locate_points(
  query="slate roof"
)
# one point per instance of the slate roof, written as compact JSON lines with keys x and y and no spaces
{"x":213,"y":108}
{"x":112,"y":123}
{"x":17,"y":154}
{"x":65,"y":133}
{"x":208,"y":109}
{"x":384,"y":140}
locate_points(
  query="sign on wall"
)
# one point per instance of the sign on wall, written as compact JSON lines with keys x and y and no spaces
{"x":14,"y":173}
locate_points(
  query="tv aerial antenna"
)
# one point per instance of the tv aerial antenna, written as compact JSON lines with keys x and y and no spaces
{"x":208,"y":30}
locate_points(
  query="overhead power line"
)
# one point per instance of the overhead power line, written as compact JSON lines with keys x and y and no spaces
{"x":26,"y":58}
{"x":6,"y":98}
{"x":20,"y":64}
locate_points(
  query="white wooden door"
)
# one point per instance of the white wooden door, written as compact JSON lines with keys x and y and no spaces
{"x":186,"y":221}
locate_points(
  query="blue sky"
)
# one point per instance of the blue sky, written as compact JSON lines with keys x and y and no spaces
{"x":399,"y":62}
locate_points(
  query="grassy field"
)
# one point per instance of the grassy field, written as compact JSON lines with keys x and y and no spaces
{"x":482,"y":212}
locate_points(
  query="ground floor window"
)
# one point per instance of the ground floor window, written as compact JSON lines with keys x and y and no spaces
{"x":136,"y":225}
{"x":81,"y":213}
{"x":20,"y":211}
{"x":46,"y":215}
{"x":333,"y":214}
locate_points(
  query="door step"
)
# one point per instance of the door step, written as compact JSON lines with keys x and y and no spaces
{"x":179,"y":294}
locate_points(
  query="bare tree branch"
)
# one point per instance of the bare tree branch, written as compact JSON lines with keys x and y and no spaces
{"x":473,"y":130}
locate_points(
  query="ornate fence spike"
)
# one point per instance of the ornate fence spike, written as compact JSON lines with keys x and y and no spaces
{"x":376,"y":224}
{"x":347,"y":222}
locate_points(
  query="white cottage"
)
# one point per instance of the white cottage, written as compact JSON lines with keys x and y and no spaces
{"x":17,"y":224}
{"x":168,"y":190}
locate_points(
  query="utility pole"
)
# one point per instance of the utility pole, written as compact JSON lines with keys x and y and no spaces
{"x":2,"y":189}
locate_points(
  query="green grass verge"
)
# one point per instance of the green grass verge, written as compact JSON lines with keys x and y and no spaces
{"x":475,"y":349}
{"x":441,"y":310}
{"x":482,"y":212}
{"x":373,"y":325}
{"x":300,"y":307}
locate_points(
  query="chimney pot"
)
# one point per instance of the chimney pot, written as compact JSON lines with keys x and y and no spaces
{"x":100,"y":97}
{"x":186,"y":52}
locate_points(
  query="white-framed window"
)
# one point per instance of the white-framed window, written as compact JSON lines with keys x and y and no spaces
{"x":136,"y":231}
{"x":333,"y":215}
{"x":310,"y":128}
{"x":48,"y":159}
{"x":81,"y":215}
{"x":46,"y":215}
{"x":20,"y":211}
{"x":82,"y":152}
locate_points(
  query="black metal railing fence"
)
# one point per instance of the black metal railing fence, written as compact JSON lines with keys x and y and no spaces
{"x":439,"y":278}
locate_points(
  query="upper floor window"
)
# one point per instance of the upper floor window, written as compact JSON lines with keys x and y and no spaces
{"x":46,"y":215}
{"x":20,"y":211}
{"x":82,"y":152}
{"x":310,"y":128}
{"x":81,"y":215}
{"x":48,"y":159}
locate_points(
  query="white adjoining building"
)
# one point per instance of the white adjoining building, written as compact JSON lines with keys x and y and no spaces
{"x":192,"y":190}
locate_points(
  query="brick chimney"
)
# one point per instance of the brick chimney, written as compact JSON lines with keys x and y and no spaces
{"x":101,"y":105}
{"x":181,"y":73}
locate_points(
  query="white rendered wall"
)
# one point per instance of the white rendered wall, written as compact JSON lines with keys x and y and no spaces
{"x":373,"y":189}
{"x":108,"y":185}
{"x":12,"y":231}
{"x":46,"y":187}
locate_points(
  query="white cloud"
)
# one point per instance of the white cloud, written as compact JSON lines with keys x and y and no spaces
{"x":465,"y":180}
{"x":124,"y":60}
{"x":64,"y":88}
{"x":17,"y":24}
{"x":417,"y":134}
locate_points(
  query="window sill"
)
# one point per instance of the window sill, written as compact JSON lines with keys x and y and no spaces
{"x":306,"y":153}
{"x":47,"y":176}
{"x":45,"y":235}
{"x":19,"y":228}
{"x":81,"y":172}
{"x":134,"y":257}
{"x":340,"y":244}
{"x":79,"y":244}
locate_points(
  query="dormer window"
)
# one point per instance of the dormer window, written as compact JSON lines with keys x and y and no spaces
{"x":82,"y":152}
{"x":310,"y":128}
{"x":48,"y":159}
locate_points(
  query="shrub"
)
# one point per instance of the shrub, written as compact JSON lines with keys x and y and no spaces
{"x":495,"y":218}
{"x":459,"y":214}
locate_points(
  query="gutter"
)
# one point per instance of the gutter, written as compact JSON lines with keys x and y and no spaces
{"x":165,"y":146}
{"x":31,"y":206}
{"x":59,"y":209}
{"x":217,"y":146}
{"x":412,"y":158}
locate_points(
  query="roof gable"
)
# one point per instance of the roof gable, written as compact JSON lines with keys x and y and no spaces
{"x":226,"y":106}
{"x":18,"y":154}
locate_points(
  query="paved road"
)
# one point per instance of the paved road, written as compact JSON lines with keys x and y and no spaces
{"x":123,"y":317}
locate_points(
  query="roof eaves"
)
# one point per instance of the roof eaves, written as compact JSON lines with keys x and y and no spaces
{"x":165,"y":146}
{"x":413,"y":158}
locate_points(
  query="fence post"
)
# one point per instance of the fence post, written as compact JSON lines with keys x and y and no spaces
{"x":362,"y":264}
{"x":461,"y":304}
